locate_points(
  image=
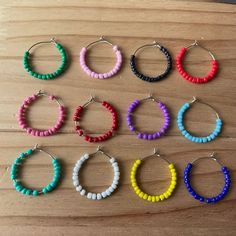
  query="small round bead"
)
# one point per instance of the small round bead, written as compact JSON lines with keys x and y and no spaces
{"x":78,"y":188}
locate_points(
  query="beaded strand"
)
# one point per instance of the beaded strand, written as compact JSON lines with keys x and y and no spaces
{"x":153,"y":198}
{"x":200,"y":198}
{"x":189,"y":136}
{"x":61,"y":68}
{"x":186,"y":75}
{"x":35,"y":132}
{"x":93,"y":74}
{"x":134,"y":69}
{"x":90,"y":195}
{"x":146,"y":136}
{"x":33,"y":192}
{"x":107,"y":135}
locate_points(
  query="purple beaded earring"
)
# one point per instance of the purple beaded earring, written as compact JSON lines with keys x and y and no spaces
{"x":146,"y":136}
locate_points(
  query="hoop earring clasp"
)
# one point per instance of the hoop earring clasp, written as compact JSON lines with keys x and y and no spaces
{"x":195,"y":99}
{"x":100,"y":150}
{"x":37,"y":148}
{"x":154,"y":44}
{"x":211,"y":156}
{"x":196,"y":44}
{"x":156,"y":153}
{"x":52,"y":40}
{"x":100,"y":40}
{"x":150,"y":97}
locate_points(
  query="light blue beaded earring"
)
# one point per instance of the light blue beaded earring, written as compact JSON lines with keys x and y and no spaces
{"x":33,"y":192}
{"x":48,"y":76}
{"x":190,"y":137}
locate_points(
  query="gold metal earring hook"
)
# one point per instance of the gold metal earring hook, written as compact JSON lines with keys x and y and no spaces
{"x":156,"y":153}
{"x":100,"y":150}
{"x":154,"y":44}
{"x":42,"y":93}
{"x":52,"y":40}
{"x":195,"y":99}
{"x":196,"y":44}
{"x":37,"y":148}
{"x":91,"y":100}
{"x":150,"y":97}
{"x":212,"y":156}
{"x":100,"y":40}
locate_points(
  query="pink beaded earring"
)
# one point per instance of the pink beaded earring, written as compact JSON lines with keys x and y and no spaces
{"x":35,"y":132}
{"x":93,"y":74}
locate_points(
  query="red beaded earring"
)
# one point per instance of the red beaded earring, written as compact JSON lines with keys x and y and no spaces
{"x":77,"y":116}
{"x":186,"y":75}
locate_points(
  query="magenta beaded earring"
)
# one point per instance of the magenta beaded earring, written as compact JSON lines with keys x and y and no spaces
{"x":93,"y":74}
{"x":35,"y":132}
{"x":146,"y":136}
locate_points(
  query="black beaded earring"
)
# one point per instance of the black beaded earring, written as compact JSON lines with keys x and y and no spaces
{"x":147,"y":78}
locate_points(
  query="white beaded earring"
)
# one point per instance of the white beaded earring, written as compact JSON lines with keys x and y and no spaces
{"x":90,"y":195}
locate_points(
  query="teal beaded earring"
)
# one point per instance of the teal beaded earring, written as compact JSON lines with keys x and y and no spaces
{"x":49,"y":76}
{"x":33,"y":192}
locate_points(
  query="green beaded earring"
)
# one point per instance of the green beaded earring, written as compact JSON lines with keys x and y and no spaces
{"x":49,"y":76}
{"x":33,"y":192}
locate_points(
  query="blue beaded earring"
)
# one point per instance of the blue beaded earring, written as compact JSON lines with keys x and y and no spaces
{"x":33,"y":192}
{"x":190,"y":137}
{"x":198,"y":196}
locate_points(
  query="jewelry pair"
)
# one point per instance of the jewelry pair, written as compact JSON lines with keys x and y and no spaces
{"x":179,"y":64}
{"x":117,"y":66}
{"x":180,"y":121}
{"x":83,"y":64}
{"x":22,"y":118}
{"x":173,"y":174}
{"x":19,"y":186}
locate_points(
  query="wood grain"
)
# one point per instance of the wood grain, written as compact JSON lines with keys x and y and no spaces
{"x":128,"y":24}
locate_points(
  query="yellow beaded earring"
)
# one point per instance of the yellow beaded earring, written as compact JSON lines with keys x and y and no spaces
{"x":145,"y":196}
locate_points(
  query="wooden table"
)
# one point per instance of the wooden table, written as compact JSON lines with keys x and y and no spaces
{"x":128,"y":24}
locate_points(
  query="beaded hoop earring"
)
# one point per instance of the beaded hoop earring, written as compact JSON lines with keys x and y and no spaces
{"x":140,"y":135}
{"x":35,"y":132}
{"x":109,"y":190}
{"x":145,"y":196}
{"x":186,"y":75}
{"x":49,"y":76}
{"x":101,"y":138}
{"x":93,"y":74}
{"x":196,"y":195}
{"x":190,"y":137}
{"x":147,"y":78}
{"x":33,"y":192}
